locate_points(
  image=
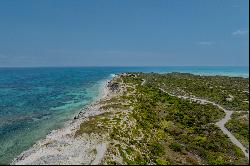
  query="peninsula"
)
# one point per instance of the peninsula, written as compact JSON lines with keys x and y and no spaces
{"x":150,"y":118}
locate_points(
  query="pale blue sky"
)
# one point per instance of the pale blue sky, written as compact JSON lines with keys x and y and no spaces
{"x":124,"y":32}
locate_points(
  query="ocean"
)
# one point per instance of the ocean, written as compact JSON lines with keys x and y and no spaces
{"x":34,"y":101}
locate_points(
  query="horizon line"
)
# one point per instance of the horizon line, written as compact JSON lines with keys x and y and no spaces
{"x":126,"y":66}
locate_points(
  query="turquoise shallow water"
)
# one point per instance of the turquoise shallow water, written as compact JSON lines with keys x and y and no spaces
{"x":34,"y":101}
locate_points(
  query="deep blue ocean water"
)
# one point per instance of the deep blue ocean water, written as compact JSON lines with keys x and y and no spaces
{"x":34,"y":101}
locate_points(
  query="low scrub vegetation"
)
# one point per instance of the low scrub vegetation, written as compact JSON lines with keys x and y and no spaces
{"x":156,"y":128}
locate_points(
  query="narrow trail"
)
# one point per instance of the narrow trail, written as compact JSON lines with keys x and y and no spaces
{"x":221,"y":123}
{"x":101,"y":149}
{"x":143,"y":82}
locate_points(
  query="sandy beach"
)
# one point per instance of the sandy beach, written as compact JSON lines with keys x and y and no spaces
{"x":62,"y":147}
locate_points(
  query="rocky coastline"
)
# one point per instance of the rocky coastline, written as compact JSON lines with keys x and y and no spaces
{"x":62,"y":147}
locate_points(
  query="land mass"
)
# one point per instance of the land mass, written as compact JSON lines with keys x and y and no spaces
{"x":174,"y":118}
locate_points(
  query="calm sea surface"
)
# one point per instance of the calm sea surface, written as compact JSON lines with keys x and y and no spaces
{"x":34,"y":101}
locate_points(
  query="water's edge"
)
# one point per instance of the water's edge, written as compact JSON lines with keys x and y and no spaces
{"x":103,"y":92}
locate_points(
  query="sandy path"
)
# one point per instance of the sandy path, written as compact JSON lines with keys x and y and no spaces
{"x":101,"y":149}
{"x":221,"y":123}
{"x":143,"y":81}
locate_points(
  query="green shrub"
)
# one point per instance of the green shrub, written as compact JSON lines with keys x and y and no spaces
{"x":176,"y":147}
{"x":162,"y":162}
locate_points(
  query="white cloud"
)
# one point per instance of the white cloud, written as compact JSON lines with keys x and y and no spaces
{"x":205,"y":43}
{"x":240,"y":32}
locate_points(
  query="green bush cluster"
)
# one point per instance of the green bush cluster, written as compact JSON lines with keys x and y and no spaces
{"x":215,"y":88}
{"x":175,"y":127}
{"x":239,"y":126}
{"x":162,"y":129}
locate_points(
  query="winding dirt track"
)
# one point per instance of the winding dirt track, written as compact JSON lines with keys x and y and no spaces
{"x":221,"y":123}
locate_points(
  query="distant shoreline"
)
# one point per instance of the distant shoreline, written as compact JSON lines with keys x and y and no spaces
{"x":232,"y":71}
